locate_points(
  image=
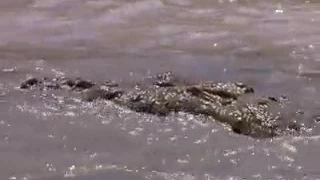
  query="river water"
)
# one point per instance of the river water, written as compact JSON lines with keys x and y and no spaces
{"x":272,"y":45}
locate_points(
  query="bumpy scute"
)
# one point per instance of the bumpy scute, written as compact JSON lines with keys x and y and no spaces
{"x":224,"y":102}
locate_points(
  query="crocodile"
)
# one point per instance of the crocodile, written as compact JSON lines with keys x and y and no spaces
{"x":233,"y":104}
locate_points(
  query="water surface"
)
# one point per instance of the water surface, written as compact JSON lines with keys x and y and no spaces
{"x":271,"y":45}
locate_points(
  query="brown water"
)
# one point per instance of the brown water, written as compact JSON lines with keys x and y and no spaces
{"x":271,"y":45}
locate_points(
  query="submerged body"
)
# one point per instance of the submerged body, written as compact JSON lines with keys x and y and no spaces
{"x":222,"y":105}
{"x":233,"y":104}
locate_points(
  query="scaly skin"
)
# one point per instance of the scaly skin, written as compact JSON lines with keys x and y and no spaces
{"x":247,"y":119}
{"x":224,"y":102}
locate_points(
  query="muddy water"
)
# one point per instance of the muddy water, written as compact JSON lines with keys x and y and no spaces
{"x":272,"y":45}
